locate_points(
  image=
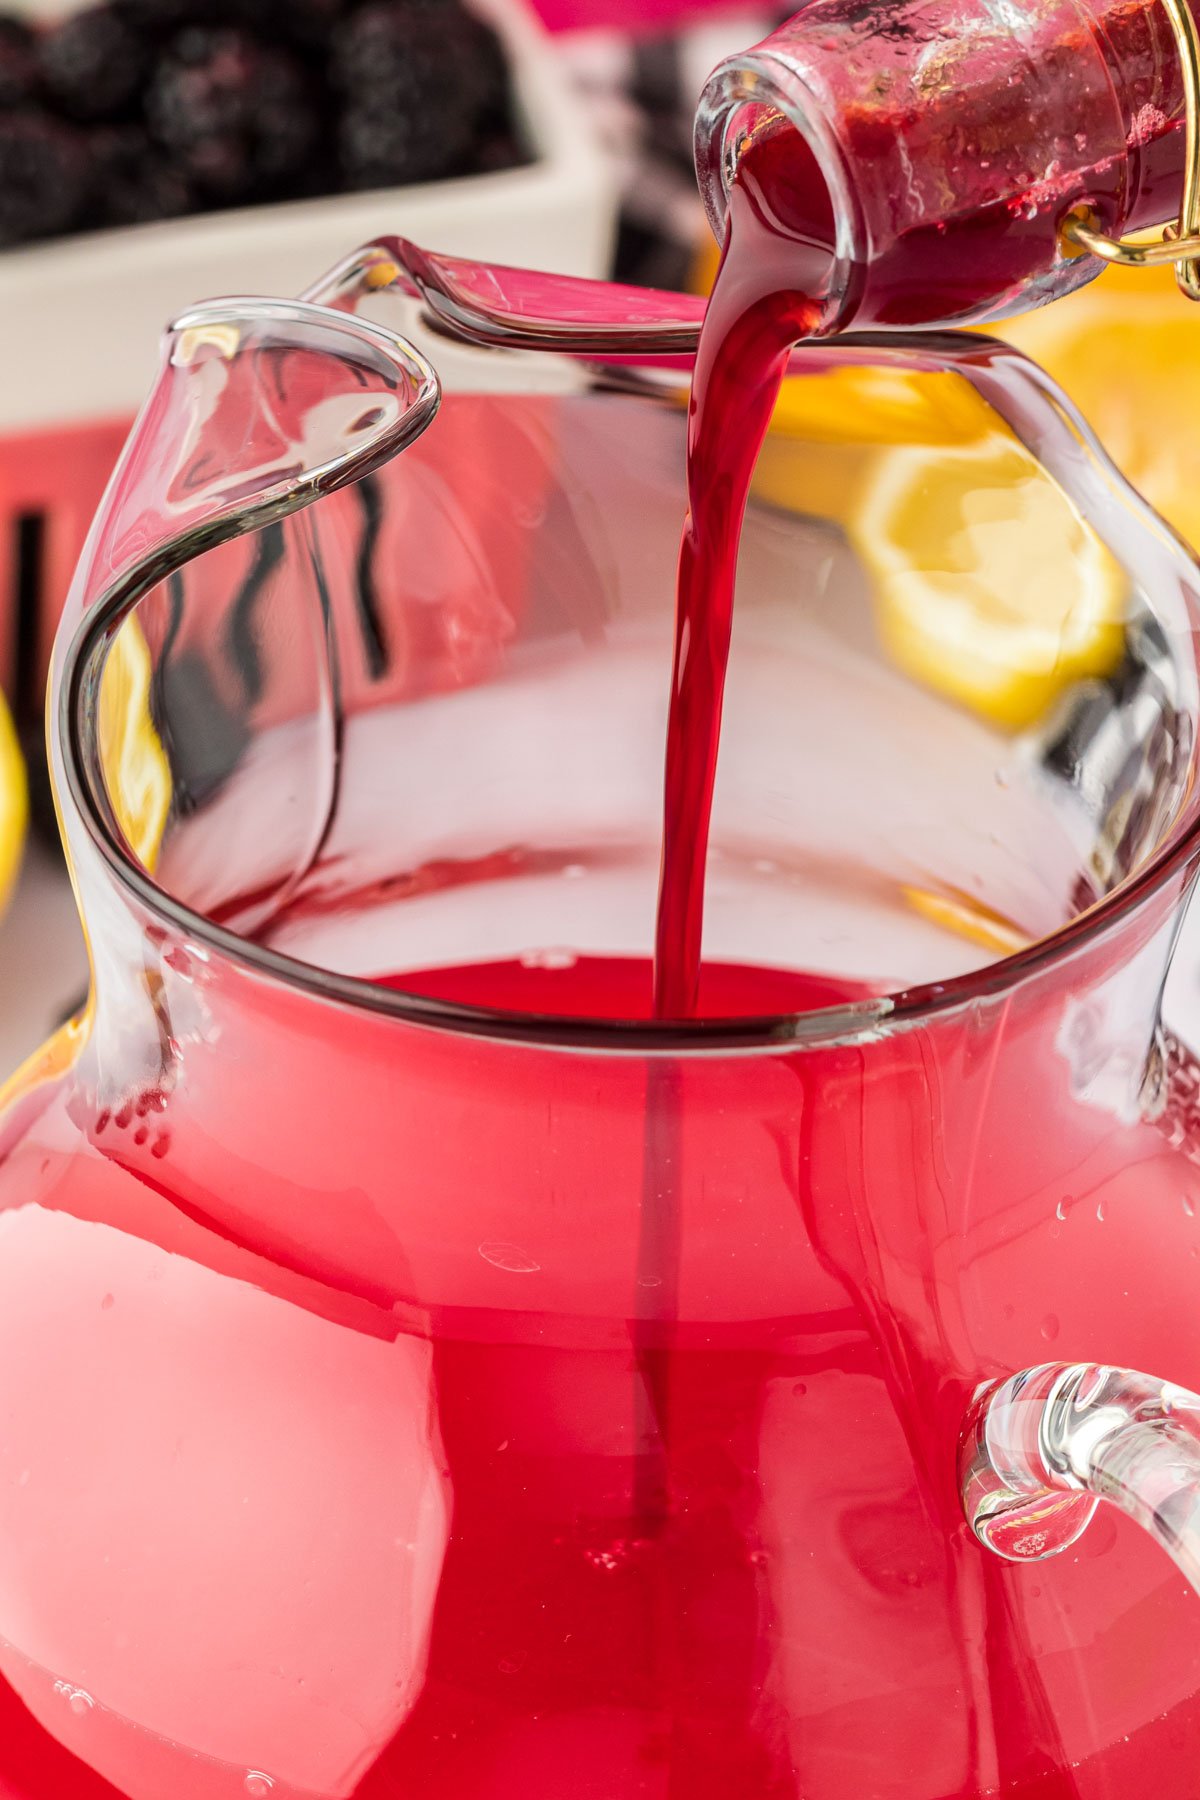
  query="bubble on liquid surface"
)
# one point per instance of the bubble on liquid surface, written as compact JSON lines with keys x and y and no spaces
{"x":78,"y":1699}
{"x":549,"y":959}
{"x":257,"y":1785}
{"x":602,"y":1559}
{"x":509,"y":1257}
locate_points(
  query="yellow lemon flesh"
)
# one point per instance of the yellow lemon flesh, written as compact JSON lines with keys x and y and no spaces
{"x":14,"y":803}
{"x":1124,"y":350}
{"x":828,"y":429}
{"x":989,"y":587}
{"x":136,"y":772}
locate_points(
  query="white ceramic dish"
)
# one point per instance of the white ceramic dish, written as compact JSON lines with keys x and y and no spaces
{"x":80,"y":317}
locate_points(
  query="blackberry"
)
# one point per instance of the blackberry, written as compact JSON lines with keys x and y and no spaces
{"x":299,"y":23}
{"x":44,"y":176}
{"x":385,"y":146}
{"x":304,"y":25}
{"x":18,"y":63}
{"x":418,"y":87}
{"x":384,"y":48}
{"x":153,"y":21}
{"x":92,"y":63}
{"x":237,"y":118}
{"x":133,"y":184}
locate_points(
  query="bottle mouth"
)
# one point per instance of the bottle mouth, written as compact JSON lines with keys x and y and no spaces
{"x":1018,"y":393}
{"x":764,"y":90}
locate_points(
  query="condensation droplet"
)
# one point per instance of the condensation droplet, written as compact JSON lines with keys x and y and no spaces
{"x":573,"y":871}
{"x":257,"y":1785}
{"x":1100,"y":1211}
{"x":800,"y":1389}
{"x":762,"y":865}
{"x":1189,"y":1205}
{"x":107,"y":1303}
{"x":549,"y":959}
{"x":1050,"y":1327}
{"x":1060,"y":1211}
{"x":1001,"y":779}
{"x":509,"y":1257}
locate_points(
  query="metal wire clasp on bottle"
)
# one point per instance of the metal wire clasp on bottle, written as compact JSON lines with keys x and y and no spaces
{"x":1181,"y":241}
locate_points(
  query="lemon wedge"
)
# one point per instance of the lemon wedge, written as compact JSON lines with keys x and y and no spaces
{"x":827,"y":431}
{"x":1124,"y":349}
{"x":989,"y":587}
{"x":14,"y":803}
{"x":137,"y":775}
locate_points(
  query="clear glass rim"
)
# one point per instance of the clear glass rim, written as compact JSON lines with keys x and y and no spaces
{"x":769,"y":78}
{"x":824,"y":1027}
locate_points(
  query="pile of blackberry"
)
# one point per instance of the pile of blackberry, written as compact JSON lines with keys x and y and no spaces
{"x":136,"y":110}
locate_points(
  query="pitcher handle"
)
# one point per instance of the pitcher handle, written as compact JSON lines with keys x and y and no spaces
{"x":1041,"y":1449}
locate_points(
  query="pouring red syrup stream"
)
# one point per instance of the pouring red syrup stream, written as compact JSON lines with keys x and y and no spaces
{"x":768,"y":294}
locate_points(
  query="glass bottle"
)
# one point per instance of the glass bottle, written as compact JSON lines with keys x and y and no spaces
{"x":939,"y":150}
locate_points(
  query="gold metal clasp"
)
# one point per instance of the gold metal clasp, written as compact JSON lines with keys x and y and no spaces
{"x":1181,"y":241}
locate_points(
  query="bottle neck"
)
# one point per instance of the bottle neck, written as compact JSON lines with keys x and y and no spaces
{"x":952,"y":144}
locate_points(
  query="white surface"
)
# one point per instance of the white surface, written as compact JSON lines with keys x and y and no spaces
{"x":81,"y":318}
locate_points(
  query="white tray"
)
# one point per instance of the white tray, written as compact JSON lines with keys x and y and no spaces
{"x":80,"y":317}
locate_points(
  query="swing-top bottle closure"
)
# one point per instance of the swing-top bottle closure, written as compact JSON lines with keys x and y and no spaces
{"x":1180,"y":243}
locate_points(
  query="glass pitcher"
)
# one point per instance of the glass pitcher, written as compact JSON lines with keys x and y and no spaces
{"x":420,"y":1372}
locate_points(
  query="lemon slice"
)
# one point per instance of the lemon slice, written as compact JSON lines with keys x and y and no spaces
{"x":827,"y":430}
{"x":14,"y":803}
{"x":1124,"y":349}
{"x":137,"y":774}
{"x":989,"y":587}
